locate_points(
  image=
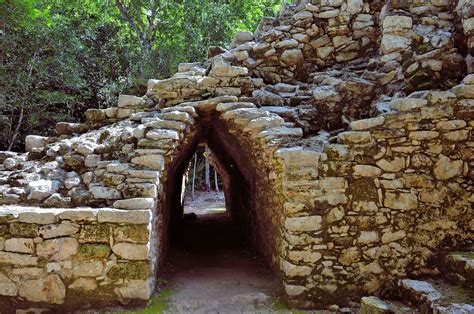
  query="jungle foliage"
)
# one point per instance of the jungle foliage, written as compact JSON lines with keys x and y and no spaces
{"x":61,"y":57}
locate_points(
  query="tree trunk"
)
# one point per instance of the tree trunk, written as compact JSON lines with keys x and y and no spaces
{"x":208,"y":176}
{"x":17,"y":128}
{"x":194,"y":173}
{"x":215,"y":180}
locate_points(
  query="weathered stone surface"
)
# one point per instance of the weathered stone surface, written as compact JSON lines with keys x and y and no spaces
{"x":402,"y":201}
{"x":18,"y":259}
{"x":131,"y":251}
{"x":154,"y":162}
{"x":7,"y":286}
{"x":128,"y":217}
{"x":373,"y":305}
{"x":41,"y":189}
{"x":50,"y":289}
{"x":58,"y":249}
{"x":58,"y":230}
{"x":135,"y":203}
{"x":34,"y":141}
{"x":85,"y":284}
{"x":20,"y":245}
{"x":135,"y":289}
{"x":445,"y":168}
{"x":302,"y":224}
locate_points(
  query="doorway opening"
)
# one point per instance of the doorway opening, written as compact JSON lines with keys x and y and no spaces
{"x":213,"y":261}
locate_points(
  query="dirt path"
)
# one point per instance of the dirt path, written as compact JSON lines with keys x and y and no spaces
{"x":209,"y":268}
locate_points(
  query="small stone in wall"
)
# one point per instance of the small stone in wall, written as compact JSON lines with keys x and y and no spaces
{"x":445,"y":168}
{"x":135,"y":289}
{"x":402,"y":201}
{"x":58,"y":230}
{"x":58,"y":249}
{"x":49,"y":290}
{"x":20,"y":245}
{"x":388,"y":237}
{"x":86,"y":284}
{"x":292,"y":56}
{"x":7,"y":286}
{"x":131,"y":251}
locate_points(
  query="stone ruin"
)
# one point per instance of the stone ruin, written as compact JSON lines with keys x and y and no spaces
{"x":343,"y":130}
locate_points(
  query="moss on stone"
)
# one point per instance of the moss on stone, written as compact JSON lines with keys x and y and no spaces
{"x":95,"y":233}
{"x":93,"y":251}
{"x":129,"y":270}
{"x":24,"y":230}
{"x":6,"y":218}
{"x":132,"y":233}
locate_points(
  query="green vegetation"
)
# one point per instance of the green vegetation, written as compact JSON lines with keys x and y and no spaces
{"x":158,"y":304}
{"x":61,"y":57}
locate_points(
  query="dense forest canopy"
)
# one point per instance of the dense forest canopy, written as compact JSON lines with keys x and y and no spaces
{"x":61,"y":57}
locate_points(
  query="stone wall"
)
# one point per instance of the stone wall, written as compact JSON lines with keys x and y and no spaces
{"x":338,"y":206}
{"x":388,"y":200}
{"x":75,"y":258}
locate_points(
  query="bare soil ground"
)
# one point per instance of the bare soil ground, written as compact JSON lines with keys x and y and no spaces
{"x":210,"y":269}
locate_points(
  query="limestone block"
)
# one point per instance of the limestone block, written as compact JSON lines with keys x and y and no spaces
{"x":457,"y":136}
{"x":397,"y":24}
{"x":366,"y":237}
{"x":354,"y":137}
{"x":57,"y":230}
{"x":407,"y":104}
{"x":349,"y":256}
{"x":374,"y":305}
{"x":50,"y":289}
{"x":78,"y":215}
{"x":135,"y":203}
{"x":20,"y":245}
{"x":35,"y":141}
{"x":303,"y":224}
{"x":292,"y":270}
{"x":127,"y":217}
{"x":85,"y":284}
{"x":155,"y":162}
{"x":228,"y":91}
{"x":451,"y":125}
{"x":7,"y":286}
{"x":354,"y":6}
{"x":135,"y":289}
{"x":329,"y":14}
{"x":445,"y":168}
{"x":388,"y":237}
{"x":18,"y":259}
{"x":394,"y":165}
{"x":66,"y":128}
{"x":177,"y":116}
{"x":287,"y":43}
{"x":304,"y":256}
{"x":129,"y":101}
{"x":303,"y":15}
{"x":88,"y":269}
{"x":163,"y":134}
{"x":391,"y":43}
{"x":102,"y":192}
{"x":292,"y":56}
{"x":334,"y":215}
{"x":144,"y":174}
{"x":464,"y":91}
{"x":57,"y":249}
{"x":326,"y":93}
{"x":362,"y":125}
{"x":423,"y":135}
{"x":42,"y":189}
{"x":293,"y":290}
{"x":324,"y":52}
{"x":36,"y":217}
{"x":131,"y":251}
{"x":131,"y":233}
{"x":366,"y":171}
{"x":224,"y":107}
{"x":228,"y":71}
{"x":468,"y":26}
{"x":117,"y":167}
{"x":402,"y":201}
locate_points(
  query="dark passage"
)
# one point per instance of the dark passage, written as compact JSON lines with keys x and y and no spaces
{"x":209,"y":265}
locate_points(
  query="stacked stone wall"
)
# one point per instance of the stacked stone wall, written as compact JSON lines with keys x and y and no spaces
{"x":74,"y":258}
{"x":388,"y":200}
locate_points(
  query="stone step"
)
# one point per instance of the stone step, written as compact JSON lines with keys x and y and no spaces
{"x":458,"y":267}
{"x":418,"y":296}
